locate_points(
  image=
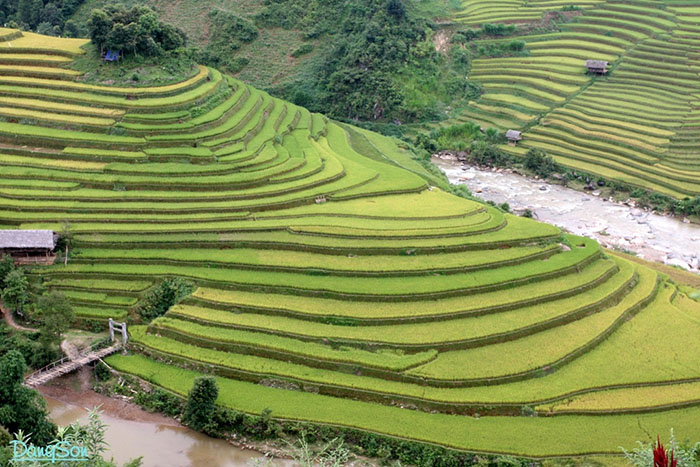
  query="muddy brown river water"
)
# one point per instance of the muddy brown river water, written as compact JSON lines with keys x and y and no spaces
{"x":133,"y":432}
{"x":615,"y":225}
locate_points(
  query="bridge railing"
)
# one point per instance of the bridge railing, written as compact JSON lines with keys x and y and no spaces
{"x":48,"y":367}
{"x":95,"y":347}
{"x":67,"y":359}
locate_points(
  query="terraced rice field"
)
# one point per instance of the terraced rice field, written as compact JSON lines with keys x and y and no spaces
{"x":329,"y":262}
{"x":638,"y":124}
{"x":478,"y":12}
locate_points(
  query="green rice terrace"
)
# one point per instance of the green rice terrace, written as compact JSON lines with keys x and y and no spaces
{"x":336,"y":282}
{"x":637,"y":124}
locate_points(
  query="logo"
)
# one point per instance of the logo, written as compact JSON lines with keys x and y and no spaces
{"x":60,"y":451}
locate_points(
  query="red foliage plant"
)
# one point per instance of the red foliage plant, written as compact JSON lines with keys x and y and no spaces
{"x":661,"y":458}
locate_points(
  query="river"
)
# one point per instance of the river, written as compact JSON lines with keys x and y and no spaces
{"x":615,"y":225}
{"x":133,"y":432}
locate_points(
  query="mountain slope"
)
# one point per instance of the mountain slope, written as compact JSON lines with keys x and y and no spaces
{"x":322,"y":265}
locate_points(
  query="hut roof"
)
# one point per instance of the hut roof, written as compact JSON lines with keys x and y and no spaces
{"x":27,"y":239}
{"x":513,"y":134}
{"x":596,"y":64}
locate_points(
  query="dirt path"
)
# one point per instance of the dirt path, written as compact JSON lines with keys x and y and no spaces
{"x":442,"y":42}
{"x":70,"y":349}
{"x":10,"y":320}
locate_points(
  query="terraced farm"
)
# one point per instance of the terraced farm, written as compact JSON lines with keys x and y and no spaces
{"x":638,"y":124}
{"x":329,"y":263}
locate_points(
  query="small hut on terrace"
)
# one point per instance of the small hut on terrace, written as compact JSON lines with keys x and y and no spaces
{"x":599,"y":67}
{"x":32,"y":246}
{"x":513,"y":136}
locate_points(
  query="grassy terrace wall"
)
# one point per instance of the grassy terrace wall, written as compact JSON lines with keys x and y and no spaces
{"x":637,"y":124}
{"x":329,"y":262}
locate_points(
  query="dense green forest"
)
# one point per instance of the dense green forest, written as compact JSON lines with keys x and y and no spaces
{"x":46,"y":17}
{"x":381,"y":62}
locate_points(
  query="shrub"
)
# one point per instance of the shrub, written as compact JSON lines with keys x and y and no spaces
{"x":7,"y":265}
{"x":166,"y":294}
{"x":502,"y":49}
{"x":137,"y":31}
{"x":55,"y":315}
{"x":15,"y":292}
{"x":102,"y":372}
{"x":228,"y":33}
{"x":540,"y":163}
{"x":158,"y":400}
{"x":22,"y":408}
{"x":499,"y":29}
{"x":200,"y":404}
{"x":303,"y":50}
{"x":483,"y":153}
{"x":652,"y":454}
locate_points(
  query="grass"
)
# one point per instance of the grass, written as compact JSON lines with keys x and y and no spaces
{"x":10,"y":112}
{"x":628,"y":398}
{"x":517,"y":435}
{"x":678,"y":275}
{"x":391,"y":360}
{"x":102,"y":284}
{"x":339,"y":286}
{"x":301,"y":260}
{"x":529,"y":353}
{"x":412,"y":334}
{"x":328,"y":307}
{"x":61,"y":46}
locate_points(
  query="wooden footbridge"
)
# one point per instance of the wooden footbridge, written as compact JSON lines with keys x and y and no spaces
{"x":68,"y":364}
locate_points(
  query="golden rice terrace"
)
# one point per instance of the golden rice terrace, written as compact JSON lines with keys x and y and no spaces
{"x":326,"y":263}
{"x":638,"y":123}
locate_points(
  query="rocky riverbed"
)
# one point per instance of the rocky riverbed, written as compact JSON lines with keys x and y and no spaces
{"x":615,"y":225}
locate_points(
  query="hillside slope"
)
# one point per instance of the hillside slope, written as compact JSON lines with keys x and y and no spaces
{"x":359,"y":60}
{"x":638,"y":124}
{"x":324,"y":266}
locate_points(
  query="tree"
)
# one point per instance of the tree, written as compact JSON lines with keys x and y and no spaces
{"x":100,"y":25}
{"x":201,"y":403}
{"x":46,"y":29}
{"x":540,"y":163}
{"x":137,"y":31}
{"x":35,"y":14}
{"x":56,"y":315}
{"x":51,"y":14}
{"x":166,"y":294}
{"x":22,"y":408}
{"x":68,"y":7}
{"x":25,"y":11}
{"x":396,"y":9}
{"x":70,"y":29}
{"x":7,"y":265}
{"x":493,"y":136}
{"x":15,"y":293}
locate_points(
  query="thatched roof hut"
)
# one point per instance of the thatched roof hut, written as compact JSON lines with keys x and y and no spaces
{"x":514,"y":136}
{"x":27,"y":239}
{"x":597,"y":66}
